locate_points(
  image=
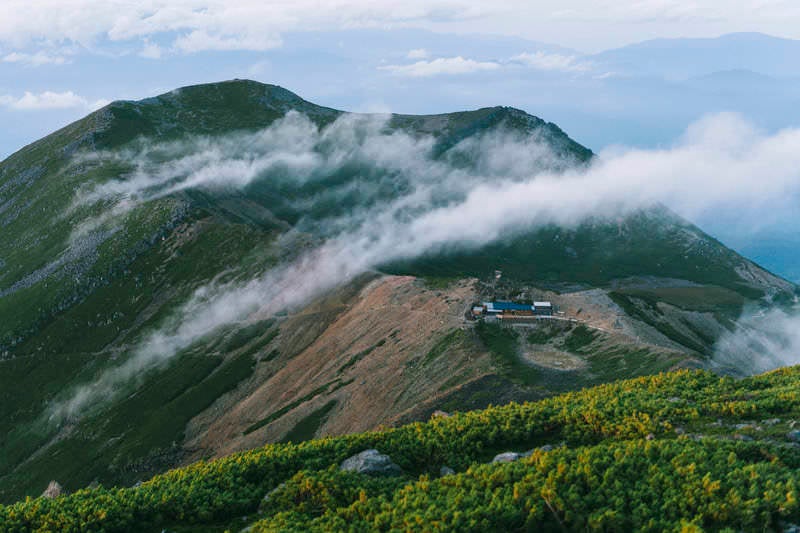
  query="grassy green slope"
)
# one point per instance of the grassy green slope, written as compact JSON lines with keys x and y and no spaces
{"x":648,"y":243}
{"x":116,"y":314}
{"x":672,"y":451}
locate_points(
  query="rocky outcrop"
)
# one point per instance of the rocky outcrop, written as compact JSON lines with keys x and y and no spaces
{"x":269,"y":495}
{"x":371,"y":463}
{"x":53,"y":490}
{"x":446,"y":471}
{"x":506,"y":457}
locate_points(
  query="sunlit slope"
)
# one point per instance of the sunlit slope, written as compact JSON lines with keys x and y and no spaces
{"x":672,"y":452}
{"x":78,"y":292}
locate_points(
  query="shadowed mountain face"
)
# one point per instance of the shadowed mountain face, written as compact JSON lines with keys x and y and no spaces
{"x":115,"y":227}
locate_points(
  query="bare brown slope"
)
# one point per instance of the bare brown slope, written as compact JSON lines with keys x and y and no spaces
{"x":375,"y":358}
{"x":388,"y":349}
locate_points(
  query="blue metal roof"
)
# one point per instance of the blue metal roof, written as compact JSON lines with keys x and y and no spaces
{"x":511,"y":306}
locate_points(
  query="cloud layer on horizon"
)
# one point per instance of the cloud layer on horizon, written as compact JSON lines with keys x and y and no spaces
{"x":538,"y":60}
{"x":49,"y":100}
{"x":196,"y":25}
{"x":441,"y":66}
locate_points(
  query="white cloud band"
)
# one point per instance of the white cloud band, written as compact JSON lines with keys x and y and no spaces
{"x":722,"y":161}
{"x":49,"y":100}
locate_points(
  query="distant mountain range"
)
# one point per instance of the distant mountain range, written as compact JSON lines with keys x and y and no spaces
{"x":680,"y":59}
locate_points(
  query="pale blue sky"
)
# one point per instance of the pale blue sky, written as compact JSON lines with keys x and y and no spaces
{"x":608,"y":98}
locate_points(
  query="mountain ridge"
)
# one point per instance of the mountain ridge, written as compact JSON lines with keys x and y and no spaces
{"x":682,"y":58}
{"x":66,"y":319}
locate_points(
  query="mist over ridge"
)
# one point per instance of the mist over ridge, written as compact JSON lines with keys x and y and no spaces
{"x":408,"y":201}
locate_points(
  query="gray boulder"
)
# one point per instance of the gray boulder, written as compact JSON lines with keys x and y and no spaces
{"x":794,"y":435}
{"x":446,"y":471}
{"x":371,"y":463}
{"x":545,"y":448}
{"x":268,"y":496}
{"x":53,"y":490}
{"x":506,"y":457}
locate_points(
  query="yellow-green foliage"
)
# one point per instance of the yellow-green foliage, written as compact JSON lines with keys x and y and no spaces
{"x":633,"y":485}
{"x":608,"y":477}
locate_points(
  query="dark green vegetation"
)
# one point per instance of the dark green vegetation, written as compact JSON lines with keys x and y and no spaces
{"x":654,"y":242}
{"x":684,"y":451}
{"x":502,"y":343}
{"x":145,"y":427}
{"x":705,"y":298}
{"x":360,"y":355}
{"x":604,"y":360}
{"x":308,"y":426}
{"x":441,"y":346}
{"x":544,"y":333}
{"x":608,"y":362}
{"x":580,"y":337}
{"x":79,"y":293}
{"x":327,"y":387}
{"x":647,"y":310}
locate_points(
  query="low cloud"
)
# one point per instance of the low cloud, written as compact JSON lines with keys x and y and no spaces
{"x":85,"y":22}
{"x":210,"y":24}
{"x":666,"y":11}
{"x":36,"y":59}
{"x":201,"y":40}
{"x":540,"y":61}
{"x":441,"y":66}
{"x":294,"y":148}
{"x":552,"y":62}
{"x":49,"y":100}
{"x":761,"y":341}
{"x":150,"y":51}
{"x":515,"y":182}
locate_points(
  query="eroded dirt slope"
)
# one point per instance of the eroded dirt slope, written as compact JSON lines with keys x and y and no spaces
{"x":387,"y":349}
{"x":381,"y":355}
